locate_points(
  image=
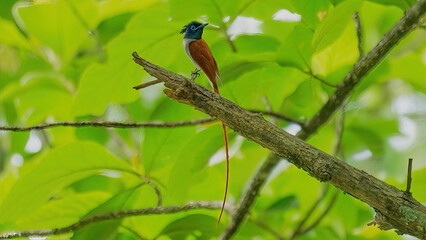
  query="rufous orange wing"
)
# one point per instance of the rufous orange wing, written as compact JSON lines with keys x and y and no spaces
{"x":202,"y":55}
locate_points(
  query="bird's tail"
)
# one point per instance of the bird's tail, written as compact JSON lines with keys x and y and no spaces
{"x":227,"y":164}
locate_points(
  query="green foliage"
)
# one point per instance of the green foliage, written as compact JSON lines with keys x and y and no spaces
{"x":196,"y":226}
{"x":70,"y":60}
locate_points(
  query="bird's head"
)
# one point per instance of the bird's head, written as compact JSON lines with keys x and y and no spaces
{"x":193,"y":30}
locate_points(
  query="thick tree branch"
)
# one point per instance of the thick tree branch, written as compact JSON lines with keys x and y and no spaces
{"x":406,"y":215}
{"x":361,"y":68}
{"x":115,"y":215}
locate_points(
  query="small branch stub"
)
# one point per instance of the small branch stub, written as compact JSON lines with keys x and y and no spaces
{"x":410,"y":167}
{"x":147,"y":84}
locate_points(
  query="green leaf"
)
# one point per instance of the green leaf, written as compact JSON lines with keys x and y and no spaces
{"x":404,"y":5}
{"x":417,"y":188}
{"x":107,"y":229}
{"x":307,"y":99}
{"x":312,"y":12}
{"x":191,"y":160}
{"x":195,"y":226}
{"x":34,"y":98}
{"x":111,"y":8}
{"x":102,"y":84}
{"x":62,"y":212}
{"x":56,"y":27}
{"x":40,"y":100}
{"x":11,"y":35}
{"x":283,"y":204}
{"x":214,"y":10}
{"x":265,"y":9}
{"x":373,"y":141}
{"x":57,"y":169}
{"x":250,"y":44}
{"x":250,"y":88}
{"x":6,"y":8}
{"x":411,"y":69}
{"x":235,"y":70}
{"x":334,"y":24}
{"x":160,"y":145}
{"x":342,"y":52}
{"x":296,"y":50}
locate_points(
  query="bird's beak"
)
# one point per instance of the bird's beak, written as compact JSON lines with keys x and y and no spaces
{"x":202,"y":25}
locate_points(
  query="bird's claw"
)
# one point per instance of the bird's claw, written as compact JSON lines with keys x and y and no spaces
{"x":195,"y":74}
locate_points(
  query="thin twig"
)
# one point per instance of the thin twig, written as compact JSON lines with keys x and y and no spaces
{"x":311,"y":74}
{"x":359,"y":34}
{"x":116,"y":215}
{"x":265,"y":227}
{"x":225,"y":27}
{"x":133,"y":232}
{"x":410,"y":167}
{"x":278,"y":116}
{"x":109,"y":124}
{"x":151,"y":124}
{"x":242,"y":10}
{"x":157,"y":191}
{"x":147,"y":84}
{"x":309,"y":213}
{"x":327,"y":209}
{"x":339,"y":132}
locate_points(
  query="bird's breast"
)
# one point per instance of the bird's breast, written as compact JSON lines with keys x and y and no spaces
{"x":186,"y":42}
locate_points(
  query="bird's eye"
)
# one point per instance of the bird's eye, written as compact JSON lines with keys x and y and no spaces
{"x":193,"y":28}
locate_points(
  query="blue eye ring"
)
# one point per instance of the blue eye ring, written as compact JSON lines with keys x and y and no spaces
{"x":193,"y":28}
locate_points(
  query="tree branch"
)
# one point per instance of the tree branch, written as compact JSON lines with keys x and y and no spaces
{"x":410,"y":167}
{"x":151,"y":124}
{"x":359,"y":34}
{"x":109,"y":124}
{"x":116,"y":215}
{"x":157,"y":191}
{"x":361,"y":68}
{"x":408,"y":216}
{"x":224,"y":27}
{"x":278,"y":116}
{"x":312,"y":75}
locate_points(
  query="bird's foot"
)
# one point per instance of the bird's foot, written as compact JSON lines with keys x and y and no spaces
{"x":195,"y":74}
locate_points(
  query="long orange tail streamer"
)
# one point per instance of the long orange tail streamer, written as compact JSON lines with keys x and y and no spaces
{"x":227,"y":166}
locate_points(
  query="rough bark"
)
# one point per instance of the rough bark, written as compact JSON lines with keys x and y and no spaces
{"x":393,"y":206}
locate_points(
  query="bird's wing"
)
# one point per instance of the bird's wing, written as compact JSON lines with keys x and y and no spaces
{"x":202,"y":55}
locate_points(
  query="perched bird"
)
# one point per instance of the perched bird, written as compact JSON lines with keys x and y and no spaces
{"x":201,"y":56}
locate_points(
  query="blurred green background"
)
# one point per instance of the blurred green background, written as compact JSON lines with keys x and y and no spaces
{"x":71,"y":60}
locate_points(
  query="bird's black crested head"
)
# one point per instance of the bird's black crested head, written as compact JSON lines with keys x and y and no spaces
{"x":193,"y":30}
